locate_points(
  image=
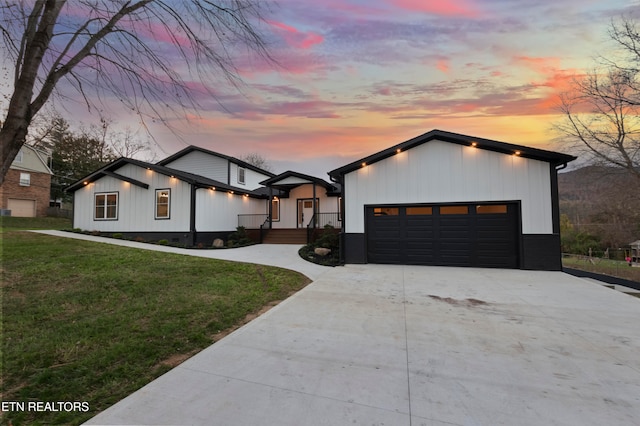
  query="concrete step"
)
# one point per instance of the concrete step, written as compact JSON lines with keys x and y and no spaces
{"x":285,"y":236}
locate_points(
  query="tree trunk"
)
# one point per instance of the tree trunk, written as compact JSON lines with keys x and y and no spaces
{"x":12,"y":137}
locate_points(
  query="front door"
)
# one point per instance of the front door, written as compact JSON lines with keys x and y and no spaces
{"x":305,"y":211}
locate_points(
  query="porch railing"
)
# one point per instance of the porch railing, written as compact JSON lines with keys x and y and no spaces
{"x":266,"y":225}
{"x":321,"y":220}
{"x":252,"y":221}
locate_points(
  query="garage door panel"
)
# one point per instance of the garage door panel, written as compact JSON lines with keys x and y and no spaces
{"x":22,"y":208}
{"x":464,"y":235}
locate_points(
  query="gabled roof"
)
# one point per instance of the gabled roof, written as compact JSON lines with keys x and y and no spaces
{"x":34,"y":162}
{"x":554,"y":158}
{"x":290,"y":179}
{"x":196,"y":180}
{"x":192,"y":148}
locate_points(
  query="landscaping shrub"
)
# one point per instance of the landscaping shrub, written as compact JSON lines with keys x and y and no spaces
{"x":239,"y":238}
{"x":330,"y":240}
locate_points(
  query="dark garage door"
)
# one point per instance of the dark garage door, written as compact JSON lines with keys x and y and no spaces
{"x":483,"y":235}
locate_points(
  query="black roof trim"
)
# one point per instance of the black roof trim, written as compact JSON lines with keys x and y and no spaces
{"x":196,"y":180}
{"x":126,"y":179}
{"x":552,"y":157}
{"x":273,"y":182}
{"x":192,"y":148}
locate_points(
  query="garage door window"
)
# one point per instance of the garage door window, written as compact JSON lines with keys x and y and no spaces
{"x":454,"y":210}
{"x":491,"y":209}
{"x":411,"y":211}
{"x":106,"y":206}
{"x":386,"y":211}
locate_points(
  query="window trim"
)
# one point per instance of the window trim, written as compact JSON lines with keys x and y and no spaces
{"x":105,"y":206}
{"x":242,"y":172}
{"x":155,"y":211}
{"x":25,"y":179}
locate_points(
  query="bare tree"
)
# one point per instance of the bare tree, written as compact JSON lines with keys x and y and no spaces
{"x":123,"y":143}
{"x":257,"y":160}
{"x":140,"y":52}
{"x":602,"y":109}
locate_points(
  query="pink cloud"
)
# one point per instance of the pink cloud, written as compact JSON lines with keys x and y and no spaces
{"x":439,"y":7}
{"x":443,"y":65}
{"x":295,"y":38}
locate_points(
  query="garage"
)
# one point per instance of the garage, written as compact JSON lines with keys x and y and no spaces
{"x":448,"y":199}
{"x":22,"y":208}
{"x":481,"y":235}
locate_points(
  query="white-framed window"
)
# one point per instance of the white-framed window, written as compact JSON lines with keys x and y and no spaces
{"x":275,"y":209}
{"x":106,"y":206}
{"x":163,"y":203}
{"x":25,"y":179}
{"x":241,"y":175}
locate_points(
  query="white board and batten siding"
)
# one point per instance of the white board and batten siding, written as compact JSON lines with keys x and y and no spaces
{"x":203,"y":164}
{"x":217,"y":211}
{"x":252,"y":178}
{"x":437,"y":172}
{"x":136,"y":205}
{"x":217,"y":168}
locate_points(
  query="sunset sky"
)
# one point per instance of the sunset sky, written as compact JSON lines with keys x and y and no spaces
{"x":357,"y":76}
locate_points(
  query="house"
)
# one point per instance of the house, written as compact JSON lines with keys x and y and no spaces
{"x":26,"y":188}
{"x":196,"y":196}
{"x":438,"y":199}
{"x":634,"y":253}
{"x":448,"y":199}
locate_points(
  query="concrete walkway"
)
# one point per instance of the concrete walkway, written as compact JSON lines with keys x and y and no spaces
{"x":282,"y":255}
{"x":411,"y":345}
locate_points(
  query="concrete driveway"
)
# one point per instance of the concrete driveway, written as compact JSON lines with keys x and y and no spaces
{"x":413,"y":345}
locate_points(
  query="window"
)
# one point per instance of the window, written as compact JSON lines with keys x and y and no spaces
{"x":106,"y":206}
{"x":163,"y":201}
{"x":385,"y":211}
{"x":419,"y":210}
{"x":18,"y":158}
{"x":454,"y":210}
{"x":25,"y":179}
{"x":275,"y":209}
{"x":241,"y":173}
{"x":491,"y":209}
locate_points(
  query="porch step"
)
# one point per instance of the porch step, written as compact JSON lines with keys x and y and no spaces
{"x":285,"y":236}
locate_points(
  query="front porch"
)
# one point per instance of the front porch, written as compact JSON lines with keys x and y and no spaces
{"x":259,"y":228}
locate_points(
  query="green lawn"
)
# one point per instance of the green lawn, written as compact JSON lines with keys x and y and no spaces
{"x":615,"y":268}
{"x":10,"y":223}
{"x":92,"y":322}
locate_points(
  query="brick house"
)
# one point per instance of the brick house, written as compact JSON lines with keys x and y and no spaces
{"x":27,"y":186}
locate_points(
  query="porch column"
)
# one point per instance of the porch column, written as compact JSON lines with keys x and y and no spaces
{"x":314,"y":218}
{"x":270,"y":210}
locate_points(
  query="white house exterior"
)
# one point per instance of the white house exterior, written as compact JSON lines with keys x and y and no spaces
{"x":193,"y":197}
{"x":438,"y":199}
{"x":448,"y":199}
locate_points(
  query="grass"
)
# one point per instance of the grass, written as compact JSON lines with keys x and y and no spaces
{"x":92,"y":322}
{"x":614,"y":268}
{"x":10,"y":223}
